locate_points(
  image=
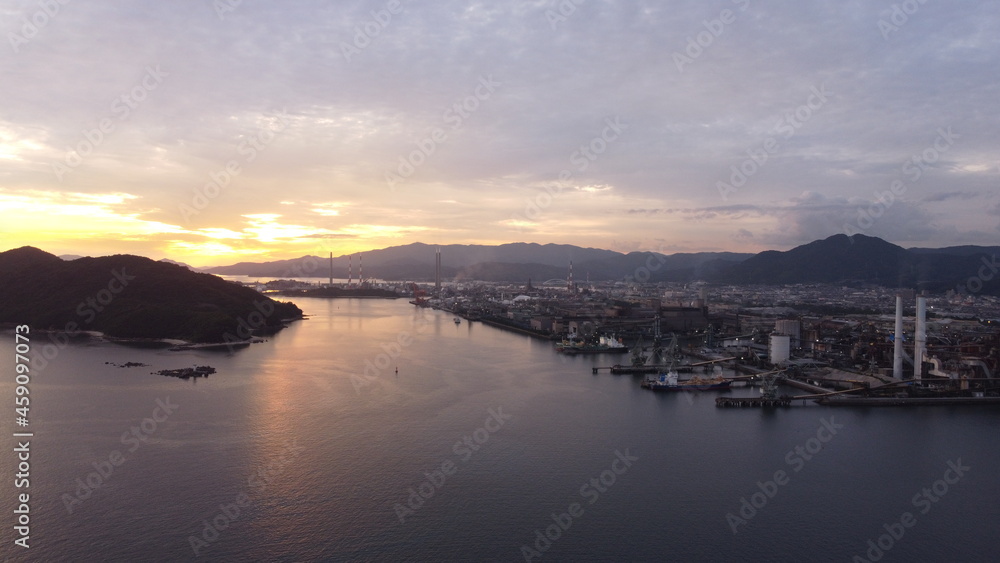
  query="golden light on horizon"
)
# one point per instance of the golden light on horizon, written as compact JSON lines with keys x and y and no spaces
{"x":115,"y":221}
{"x":208,"y":249}
{"x":220,"y":233}
{"x":73,"y":217}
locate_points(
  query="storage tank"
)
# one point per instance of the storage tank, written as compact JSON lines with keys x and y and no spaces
{"x":780,"y":348}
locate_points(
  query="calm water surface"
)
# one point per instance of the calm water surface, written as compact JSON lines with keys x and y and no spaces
{"x":327,"y":449}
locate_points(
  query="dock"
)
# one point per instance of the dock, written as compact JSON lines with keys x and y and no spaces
{"x":642,"y":369}
{"x":753,"y":402}
{"x":804,"y":386}
{"x":639,"y":370}
{"x":846,"y":401}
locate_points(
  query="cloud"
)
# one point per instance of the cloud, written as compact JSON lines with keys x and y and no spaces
{"x":948,"y":196}
{"x":351,"y":119}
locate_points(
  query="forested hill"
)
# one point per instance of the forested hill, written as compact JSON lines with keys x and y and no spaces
{"x":130,"y":297}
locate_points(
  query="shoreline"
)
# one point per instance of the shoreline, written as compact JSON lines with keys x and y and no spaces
{"x":171,"y":344}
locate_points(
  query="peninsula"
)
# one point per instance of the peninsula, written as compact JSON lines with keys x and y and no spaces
{"x":125,"y":296}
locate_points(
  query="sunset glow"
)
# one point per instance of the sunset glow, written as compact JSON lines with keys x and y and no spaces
{"x":261,"y":136}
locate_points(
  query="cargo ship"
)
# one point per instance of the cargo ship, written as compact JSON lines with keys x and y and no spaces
{"x":606,"y":345}
{"x":668,"y":382}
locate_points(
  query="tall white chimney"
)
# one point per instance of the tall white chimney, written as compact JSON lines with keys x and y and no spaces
{"x":920,"y":338}
{"x":897,"y":349}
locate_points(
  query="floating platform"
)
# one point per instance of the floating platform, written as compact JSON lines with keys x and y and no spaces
{"x":753,"y":402}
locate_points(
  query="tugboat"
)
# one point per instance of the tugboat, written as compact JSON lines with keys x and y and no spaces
{"x":458,"y":321}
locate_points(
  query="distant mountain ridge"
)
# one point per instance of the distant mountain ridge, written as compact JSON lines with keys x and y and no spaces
{"x":965,"y":250}
{"x":858,"y":259}
{"x":871,"y":260}
{"x":506,"y":262}
{"x":837,"y":258}
{"x":176,"y":263}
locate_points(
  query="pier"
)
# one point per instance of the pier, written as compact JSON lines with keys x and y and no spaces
{"x":850,"y":401}
{"x":754,"y":402}
{"x":620,"y":369}
{"x":804,"y":386}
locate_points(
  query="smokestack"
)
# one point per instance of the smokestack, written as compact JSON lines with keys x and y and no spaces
{"x":437,"y":269}
{"x":897,"y":349}
{"x":331,"y":269}
{"x":361,"y":271}
{"x":569,"y":284}
{"x":920,"y":338}
{"x":350,"y":270}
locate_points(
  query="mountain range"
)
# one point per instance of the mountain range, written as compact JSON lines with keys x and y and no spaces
{"x":871,"y":260}
{"x":506,"y":262}
{"x":836,"y":259}
{"x":857,"y":259}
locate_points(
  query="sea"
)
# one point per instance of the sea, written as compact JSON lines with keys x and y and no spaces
{"x":374,"y":430}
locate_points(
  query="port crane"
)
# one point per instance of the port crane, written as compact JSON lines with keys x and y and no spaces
{"x":419,"y":295}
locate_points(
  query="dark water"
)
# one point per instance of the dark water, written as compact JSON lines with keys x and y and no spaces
{"x":319,"y":462}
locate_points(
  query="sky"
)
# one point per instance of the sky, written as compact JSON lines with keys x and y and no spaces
{"x":216,"y":131}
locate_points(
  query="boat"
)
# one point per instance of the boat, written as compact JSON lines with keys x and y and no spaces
{"x":605,"y":345}
{"x":668,"y":382}
{"x":458,"y":321}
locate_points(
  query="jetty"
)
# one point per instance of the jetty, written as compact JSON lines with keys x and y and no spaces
{"x":758,"y":402}
{"x":619,"y":369}
{"x":849,"y":401}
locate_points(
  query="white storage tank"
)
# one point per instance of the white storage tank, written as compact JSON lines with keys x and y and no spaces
{"x":780,"y":348}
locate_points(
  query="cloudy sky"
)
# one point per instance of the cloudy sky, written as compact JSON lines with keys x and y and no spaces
{"x":214,"y":131}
